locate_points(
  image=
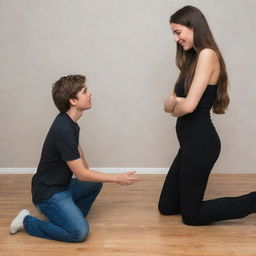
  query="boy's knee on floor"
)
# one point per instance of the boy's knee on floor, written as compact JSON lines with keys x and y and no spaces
{"x":80,"y":235}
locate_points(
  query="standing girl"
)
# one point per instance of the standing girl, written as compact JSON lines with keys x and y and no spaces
{"x":201,"y":86}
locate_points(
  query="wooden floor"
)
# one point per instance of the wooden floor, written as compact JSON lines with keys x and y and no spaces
{"x":125,"y":221}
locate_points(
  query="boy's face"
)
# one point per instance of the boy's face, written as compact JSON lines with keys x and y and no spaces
{"x":83,"y":100}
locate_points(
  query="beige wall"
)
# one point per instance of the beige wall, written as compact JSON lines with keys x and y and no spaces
{"x":127,"y":51}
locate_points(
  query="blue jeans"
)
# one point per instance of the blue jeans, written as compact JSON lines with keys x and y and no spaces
{"x":65,"y":212}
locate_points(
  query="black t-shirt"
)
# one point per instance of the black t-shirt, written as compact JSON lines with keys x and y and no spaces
{"x":61,"y":145}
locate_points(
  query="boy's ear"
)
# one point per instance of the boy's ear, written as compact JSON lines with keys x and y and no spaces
{"x":72,"y":102}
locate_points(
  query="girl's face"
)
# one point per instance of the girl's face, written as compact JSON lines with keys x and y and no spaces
{"x":183,"y":36}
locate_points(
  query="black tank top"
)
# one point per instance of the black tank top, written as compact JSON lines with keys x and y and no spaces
{"x":196,"y":128}
{"x":207,"y":99}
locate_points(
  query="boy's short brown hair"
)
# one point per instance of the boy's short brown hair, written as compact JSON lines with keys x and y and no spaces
{"x":66,"y":88}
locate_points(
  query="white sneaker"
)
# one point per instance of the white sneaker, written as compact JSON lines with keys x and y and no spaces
{"x":17,"y":223}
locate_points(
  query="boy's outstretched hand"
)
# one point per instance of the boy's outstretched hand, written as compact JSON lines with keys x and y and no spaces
{"x":126,"y":178}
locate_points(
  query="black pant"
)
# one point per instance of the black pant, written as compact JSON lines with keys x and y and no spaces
{"x":185,"y":184}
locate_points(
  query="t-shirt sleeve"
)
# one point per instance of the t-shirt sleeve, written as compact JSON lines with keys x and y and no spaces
{"x":67,"y":145}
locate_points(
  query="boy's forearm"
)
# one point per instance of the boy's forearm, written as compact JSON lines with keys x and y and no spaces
{"x":94,"y":176}
{"x":91,"y":175}
{"x":85,"y":174}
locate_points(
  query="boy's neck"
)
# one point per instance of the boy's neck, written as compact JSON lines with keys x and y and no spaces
{"x":74,"y":114}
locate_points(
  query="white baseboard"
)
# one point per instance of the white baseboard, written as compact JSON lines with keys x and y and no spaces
{"x":17,"y":170}
{"x":104,"y":170}
{"x":119,"y":170}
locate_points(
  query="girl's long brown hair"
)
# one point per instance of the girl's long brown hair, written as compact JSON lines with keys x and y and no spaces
{"x":186,"y":61}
